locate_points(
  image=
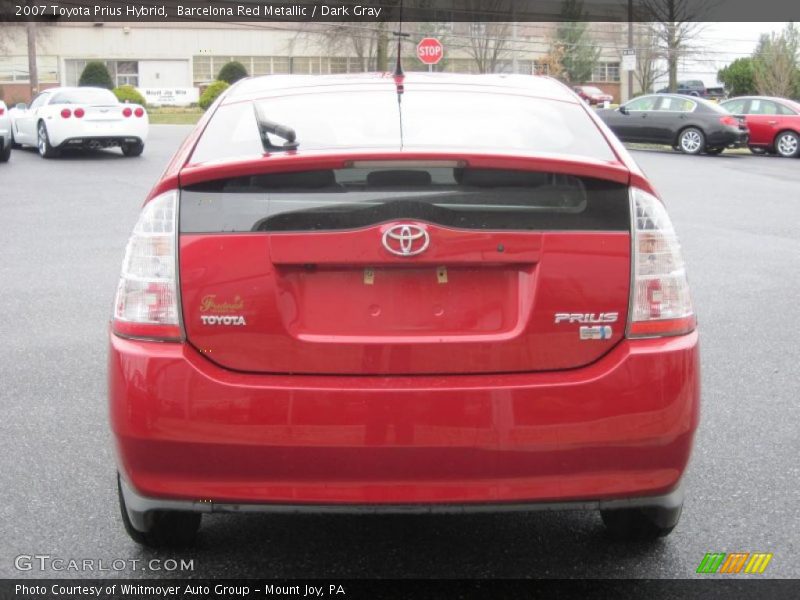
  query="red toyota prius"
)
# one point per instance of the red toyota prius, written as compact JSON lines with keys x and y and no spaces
{"x":377,"y":293}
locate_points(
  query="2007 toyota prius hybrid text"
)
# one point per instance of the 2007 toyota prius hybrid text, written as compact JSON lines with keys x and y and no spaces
{"x":402,"y":293}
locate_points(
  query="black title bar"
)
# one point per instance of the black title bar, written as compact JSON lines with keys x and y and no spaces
{"x":390,"y":10}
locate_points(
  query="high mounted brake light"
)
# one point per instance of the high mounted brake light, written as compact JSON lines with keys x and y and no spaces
{"x":660,"y":301}
{"x":146,"y":305}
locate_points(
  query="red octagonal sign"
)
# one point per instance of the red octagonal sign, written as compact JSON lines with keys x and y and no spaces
{"x":430,"y":51}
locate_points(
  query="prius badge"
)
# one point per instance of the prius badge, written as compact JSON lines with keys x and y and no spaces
{"x":592,"y":325}
{"x":406,"y":240}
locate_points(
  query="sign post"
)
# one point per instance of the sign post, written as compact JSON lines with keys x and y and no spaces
{"x":430,"y":51}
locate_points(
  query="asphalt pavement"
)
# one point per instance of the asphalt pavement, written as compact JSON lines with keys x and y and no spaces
{"x":63,"y":228}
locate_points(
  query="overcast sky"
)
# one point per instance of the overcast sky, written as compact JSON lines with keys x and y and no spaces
{"x":723,"y":43}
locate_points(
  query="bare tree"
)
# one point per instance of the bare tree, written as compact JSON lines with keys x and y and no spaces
{"x":649,"y":57}
{"x":488,"y":45}
{"x":675,"y":29}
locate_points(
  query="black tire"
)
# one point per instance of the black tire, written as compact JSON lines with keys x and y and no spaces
{"x":787,"y":144}
{"x":132,"y":148}
{"x":5,"y":153}
{"x":714,"y":151}
{"x":692,"y":141}
{"x":46,"y":150}
{"x":640,"y":524}
{"x":167,"y":529}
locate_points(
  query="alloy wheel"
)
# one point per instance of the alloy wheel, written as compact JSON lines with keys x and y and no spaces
{"x":691,"y":141}
{"x":42,"y":139}
{"x":787,"y":144}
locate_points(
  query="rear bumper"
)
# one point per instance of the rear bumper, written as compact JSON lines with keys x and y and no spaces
{"x":98,"y":141}
{"x":729,"y":138}
{"x":188,"y":431}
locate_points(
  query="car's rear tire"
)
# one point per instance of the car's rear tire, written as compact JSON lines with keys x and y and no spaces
{"x":132,"y":148}
{"x":46,"y":150}
{"x":640,"y":524}
{"x":5,"y":153}
{"x":692,"y":141}
{"x":787,"y":144}
{"x":166,"y":528}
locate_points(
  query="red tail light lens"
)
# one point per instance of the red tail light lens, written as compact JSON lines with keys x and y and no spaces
{"x":660,"y":301}
{"x":79,"y":112}
{"x":66,"y":113}
{"x":126,"y":112}
{"x":139,"y":112}
{"x":146,"y":305}
{"x":728,"y":120}
{"x":2,"y":111}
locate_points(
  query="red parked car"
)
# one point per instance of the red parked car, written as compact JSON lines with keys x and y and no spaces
{"x":774,"y":123}
{"x":592,"y":95}
{"x":447,"y":293}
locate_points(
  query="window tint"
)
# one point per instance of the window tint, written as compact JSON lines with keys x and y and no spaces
{"x":643,"y":103}
{"x":477,"y":121}
{"x":85,"y":96}
{"x":763,"y":107}
{"x":358,"y":197}
{"x":676,"y":104}
{"x":734,"y":106}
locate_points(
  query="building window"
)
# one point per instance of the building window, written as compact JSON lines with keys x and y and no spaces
{"x":608,"y":72}
{"x":14,"y":69}
{"x":123,"y":72}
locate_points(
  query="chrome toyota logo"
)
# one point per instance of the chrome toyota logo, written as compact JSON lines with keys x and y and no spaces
{"x":406,"y":240}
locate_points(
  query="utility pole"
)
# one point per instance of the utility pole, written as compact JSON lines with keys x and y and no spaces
{"x":630,"y":45}
{"x":33,"y":74}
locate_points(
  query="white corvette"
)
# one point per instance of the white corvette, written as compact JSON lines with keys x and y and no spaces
{"x":79,"y":117}
{"x":5,"y":133}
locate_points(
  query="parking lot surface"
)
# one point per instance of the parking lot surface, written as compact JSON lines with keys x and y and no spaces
{"x":65,"y":223}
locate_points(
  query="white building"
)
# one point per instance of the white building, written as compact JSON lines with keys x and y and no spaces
{"x":182,"y":55}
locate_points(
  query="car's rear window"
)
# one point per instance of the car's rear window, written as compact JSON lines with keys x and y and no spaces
{"x":85,"y":96}
{"x":479,"y":121}
{"x":356,"y":197}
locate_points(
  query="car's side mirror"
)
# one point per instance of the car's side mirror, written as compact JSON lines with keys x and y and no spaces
{"x":21,"y":106}
{"x":623,"y":110}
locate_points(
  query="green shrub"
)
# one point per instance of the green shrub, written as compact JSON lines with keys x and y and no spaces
{"x":95,"y":74}
{"x":128,"y":93}
{"x":232,"y":72}
{"x":211,"y":92}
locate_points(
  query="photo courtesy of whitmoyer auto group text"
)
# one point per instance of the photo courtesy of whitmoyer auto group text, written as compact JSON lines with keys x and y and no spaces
{"x":399,"y":299}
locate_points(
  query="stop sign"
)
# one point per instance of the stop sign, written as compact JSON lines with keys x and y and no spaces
{"x":430,"y":51}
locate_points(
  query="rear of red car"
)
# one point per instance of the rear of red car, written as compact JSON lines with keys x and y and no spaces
{"x":457,"y":294}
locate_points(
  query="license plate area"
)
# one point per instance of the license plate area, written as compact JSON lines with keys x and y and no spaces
{"x":400,"y":301}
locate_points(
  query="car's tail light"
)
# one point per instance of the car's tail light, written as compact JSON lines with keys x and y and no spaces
{"x":660,"y":301}
{"x":127,"y":112}
{"x":729,"y":120}
{"x":66,"y":113}
{"x":2,"y":111}
{"x":146,"y":305}
{"x":79,"y":112}
{"x":139,"y":112}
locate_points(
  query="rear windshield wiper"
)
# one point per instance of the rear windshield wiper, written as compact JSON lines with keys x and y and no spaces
{"x":265,"y":127}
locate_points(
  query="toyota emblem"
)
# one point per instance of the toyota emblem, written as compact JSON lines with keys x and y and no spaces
{"x":406,"y":240}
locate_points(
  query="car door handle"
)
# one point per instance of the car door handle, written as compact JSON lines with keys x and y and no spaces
{"x":772,"y":122}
